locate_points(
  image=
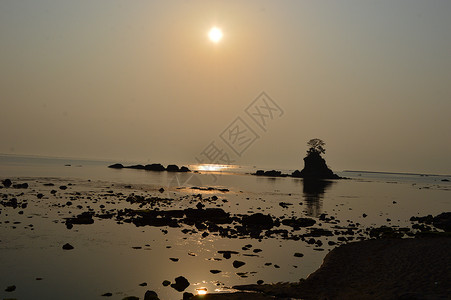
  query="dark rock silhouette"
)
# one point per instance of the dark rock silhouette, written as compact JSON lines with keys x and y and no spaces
{"x":116,"y":166}
{"x":172,"y":168}
{"x":181,"y":283}
{"x":152,"y":167}
{"x":315,"y":168}
{"x":7,"y":183}
{"x":155,"y":167}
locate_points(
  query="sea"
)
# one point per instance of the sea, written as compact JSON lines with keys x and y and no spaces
{"x":114,"y":260}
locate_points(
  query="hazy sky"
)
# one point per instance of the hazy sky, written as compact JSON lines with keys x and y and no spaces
{"x":139,"y":80}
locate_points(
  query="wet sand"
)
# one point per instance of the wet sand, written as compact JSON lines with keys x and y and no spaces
{"x":205,"y":234}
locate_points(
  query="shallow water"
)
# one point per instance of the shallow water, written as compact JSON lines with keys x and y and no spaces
{"x":104,"y":259}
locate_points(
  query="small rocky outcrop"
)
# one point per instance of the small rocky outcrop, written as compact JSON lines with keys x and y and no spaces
{"x":315,"y":167}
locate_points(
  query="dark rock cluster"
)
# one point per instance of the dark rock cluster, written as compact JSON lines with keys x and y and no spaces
{"x":152,"y":167}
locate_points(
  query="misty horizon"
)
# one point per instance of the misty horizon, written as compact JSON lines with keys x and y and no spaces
{"x":142,"y":82}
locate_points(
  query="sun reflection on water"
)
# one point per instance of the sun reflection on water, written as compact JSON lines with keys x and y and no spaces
{"x":212,"y":167}
{"x":201,"y":291}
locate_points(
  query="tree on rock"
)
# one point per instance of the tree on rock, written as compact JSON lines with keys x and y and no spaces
{"x":316,"y":146}
{"x":315,"y":166}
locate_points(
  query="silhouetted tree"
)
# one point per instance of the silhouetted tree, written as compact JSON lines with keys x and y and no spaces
{"x":316,"y":146}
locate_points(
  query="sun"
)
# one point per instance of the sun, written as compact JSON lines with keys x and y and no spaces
{"x":215,"y":35}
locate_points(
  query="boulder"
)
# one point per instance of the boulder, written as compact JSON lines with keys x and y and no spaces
{"x":258,"y":220}
{"x":443,"y":221}
{"x":172,"y":168}
{"x":184,"y":169}
{"x":155,"y":167}
{"x":181,"y":283}
{"x":6,"y":183}
{"x":151,"y":295}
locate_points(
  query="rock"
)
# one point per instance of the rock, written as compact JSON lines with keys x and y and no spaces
{"x":260,"y":282}
{"x":83,"y":218}
{"x":68,"y":246}
{"x":184,"y":169}
{"x":237,"y":264}
{"x":116,"y":166}
{"x":172,"y":168}
{"x":443,"y":221}
{"x":258,"y":220}
{"x":20,"y":186}
{"x":136,"y":167}
{"x":155,"y":167}
{"x":181,"y":283}
{"x":315,"y":167}
{"x":130,"y":298}
{"x":161,"y":190}
{"x":215,"y":271}
{"x":298,"y":223}
{"x":226,"y":253}
{"x":151,"y":295}
{"x":297,"y":254}
{"x":143,"y":284}
{"x":40,"y":195}
{"x":296,"y":174}
{"x":445,"y":180}
{"x":174,"y":259}
{"x":260,"y":173}
{"x":10,"y":288}
{"x":166,"y":283}
{"x":107,"y":295}
{"x":63,"y":187}
{"x":187,"y":296}
{"x":6,"y":183}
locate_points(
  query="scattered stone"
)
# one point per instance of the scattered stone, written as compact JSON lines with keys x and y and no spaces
{"x":215,"y":271}
{"x":63,"y":187}
{"x":143,"y":284}
{"x":166,"y":283}
{"x":10,"y":288}
{"x":130,"y":298}
{"x":297,"y":254}
{"x":260,"y":282}
{"x":237,"y":264}
{"x":6,"y":183}
{"x":299,"y":222}
{"x":20,"y":186}
{"x":107,"y":295}
{"x":227,"y":254}
{"x":161,"y":190}
{"x":174,"y":259}
{"x":68,"y":246}
{"x":181,"y":283}
{"x":151,"y":295}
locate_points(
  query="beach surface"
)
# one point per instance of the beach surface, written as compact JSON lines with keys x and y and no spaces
{"x":83,"y":231}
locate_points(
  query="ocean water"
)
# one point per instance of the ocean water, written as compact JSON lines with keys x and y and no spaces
{"x":117,"y":258}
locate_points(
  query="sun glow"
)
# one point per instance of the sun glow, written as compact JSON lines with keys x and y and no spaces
{"x":215,"y":35}
{"x":201,"y":291}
